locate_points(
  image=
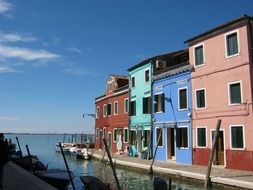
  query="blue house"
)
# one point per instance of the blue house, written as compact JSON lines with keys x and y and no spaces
{"x":172,"y":129}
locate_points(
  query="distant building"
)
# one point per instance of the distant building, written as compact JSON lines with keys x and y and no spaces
{"x":172,"y":129}
{"x":222,"y":86}
{"x":112,"y":115}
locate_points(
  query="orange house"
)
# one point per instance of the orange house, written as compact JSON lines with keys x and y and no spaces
{"x":222,"y":88}
{"x":112,"y":115}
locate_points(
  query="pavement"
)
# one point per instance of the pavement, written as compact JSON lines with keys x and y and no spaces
{"x":219,"y":175}
{"x":16,"y":178}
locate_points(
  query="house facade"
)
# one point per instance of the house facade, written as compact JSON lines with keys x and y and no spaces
{"x":222,"y":89}
{"x":112,"y":115}
{"x":140,"y":105}
{"x":172,"y":129}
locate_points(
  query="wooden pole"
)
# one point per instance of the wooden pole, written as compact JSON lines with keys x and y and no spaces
{"x":111,"y":163}
{"x":30,"y":158}
{"x":208,"y":183}
{"x":66,"y":164}
{"x":151,"y":166}
{"x":19,"y":146}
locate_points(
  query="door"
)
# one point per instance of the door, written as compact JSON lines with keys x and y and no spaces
{"x":109,"y":140}
{"x":119,"y":140}
{"x":219,"y":149}
{"x":170,"y":143}
{"x":139,"y":140}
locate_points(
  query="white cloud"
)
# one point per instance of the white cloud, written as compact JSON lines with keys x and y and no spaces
{"x":16,"y":37}
{"x":8,"y":118}
{"x":5,"y":7}
{"x":76,"y":50}
{"x":26,"y":54}
{"x":79,"y":71}
{"x":7,"y":70}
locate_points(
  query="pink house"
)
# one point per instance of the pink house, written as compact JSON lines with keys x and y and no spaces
{"x":222,"y":88}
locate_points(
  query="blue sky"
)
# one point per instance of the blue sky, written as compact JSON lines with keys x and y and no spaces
{"x":56,"y":55}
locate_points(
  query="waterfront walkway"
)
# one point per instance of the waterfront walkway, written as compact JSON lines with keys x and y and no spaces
{"x":16,"y":178}
{"x":219,"y":175}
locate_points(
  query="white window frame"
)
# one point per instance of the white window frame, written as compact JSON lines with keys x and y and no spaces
{"x":156,"y":136}
{"x":238,"y":41}
{"x":204,"y":58}
{"x":97,"y":112}
{"x":104,"y":110}
{"x":126,"y":99}
{"x":126,"y":128}
{"x":116,"y":102}
{"x":133,"y":99}
{"x":188,"y":137}
{"x":158,"y":93}
{"x":145,"y":76}
{"x":179,"y":98}
{"x":230,"y":133}
{"x":196,"y":99}
{"x":201,"y":127}
{"x":111,"y":109}
{"x":229,"y":97}
{"x":114,"y":133}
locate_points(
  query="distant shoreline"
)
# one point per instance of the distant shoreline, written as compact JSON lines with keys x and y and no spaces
{"x":48,"y":133}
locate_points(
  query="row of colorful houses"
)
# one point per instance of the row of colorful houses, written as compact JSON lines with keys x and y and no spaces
{"x":173,"y":101}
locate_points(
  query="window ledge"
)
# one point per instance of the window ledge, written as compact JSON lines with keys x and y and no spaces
{"x":231,"y":56}
{"x":239,"y":149}
{"x":197,"y":66}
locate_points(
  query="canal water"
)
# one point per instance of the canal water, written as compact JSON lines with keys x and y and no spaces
{"x":44,"y":147}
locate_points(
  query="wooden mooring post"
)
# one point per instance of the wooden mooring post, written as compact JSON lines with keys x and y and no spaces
{"x":111,"y":163}
{"x":208,"y":182}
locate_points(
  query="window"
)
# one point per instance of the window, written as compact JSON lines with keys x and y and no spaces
{"x":237,"y":139}
{"x":125,"y":135}
{"x":104,"y":110}
{"x":159,"y":133}
{"x":104,"y":133}
{"x":182,"y":100}
{"x":146,"y":105}
{"x":126,"y":106}
{"x":110,"y":87}
{"x":182,"y":137}
{"x":133,"y":82}
{"x":132,"y":108}
{"x":115,"y":108}
{"x":159,"y":103}
{"x":200,"y":98}
{"x":147,"y":76}
{"x":109,"y":109}
{"x":232,"y":44}
{"x":235,"y":93}
{"x":199,"y":55}
{"x":201,"y":137}
{"x":114,"y":135}
{"x":97,"y":132}
{"x":97,"y":112}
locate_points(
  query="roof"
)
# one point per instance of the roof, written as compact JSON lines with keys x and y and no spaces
{"x":220,"y":27}
{"x":118,"y":76}
{"x":162,"y":57}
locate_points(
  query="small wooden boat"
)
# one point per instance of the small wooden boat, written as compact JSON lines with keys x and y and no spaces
{"x":93,"y":183}
{"x":65,"y":147}
{"x":56,"y":177}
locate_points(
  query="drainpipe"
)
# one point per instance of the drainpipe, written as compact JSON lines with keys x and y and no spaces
{"x":152,"y":112}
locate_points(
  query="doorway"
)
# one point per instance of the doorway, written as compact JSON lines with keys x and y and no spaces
{"x":170,"y":143}
{"x":100,"y":139}
{"x":139,"y":140}
{"x":219,"y":149}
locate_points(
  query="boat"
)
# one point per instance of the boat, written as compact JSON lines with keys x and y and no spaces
{"x":65,"y":147}
{"x":76,"y":152}
{"x":85,"y":154}
{"x":56,"y":177}
{"x":92,"y":182}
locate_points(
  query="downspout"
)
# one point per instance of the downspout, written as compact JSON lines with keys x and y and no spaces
{"x":152,"y":112}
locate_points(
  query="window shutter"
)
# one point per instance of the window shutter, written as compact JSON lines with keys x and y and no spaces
{"x":162,"y":102}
